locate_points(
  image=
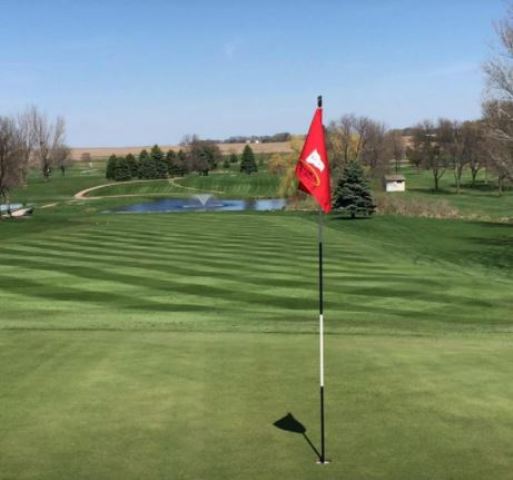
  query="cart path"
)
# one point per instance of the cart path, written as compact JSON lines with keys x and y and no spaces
{"x":82,"y":195}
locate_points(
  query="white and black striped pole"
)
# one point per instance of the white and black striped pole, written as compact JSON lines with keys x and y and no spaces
{"x":322,"y":458}
{"x":321,"y":342}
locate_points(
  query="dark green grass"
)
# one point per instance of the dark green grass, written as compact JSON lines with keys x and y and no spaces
{"x":197,"y":271}
{"x":133,"y":405}
{"x":165,"y":346}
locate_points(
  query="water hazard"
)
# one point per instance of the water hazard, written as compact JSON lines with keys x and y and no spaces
{"x":202,"y":203}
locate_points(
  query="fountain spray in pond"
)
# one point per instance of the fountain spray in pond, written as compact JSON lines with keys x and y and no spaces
{"x":203,"y":198}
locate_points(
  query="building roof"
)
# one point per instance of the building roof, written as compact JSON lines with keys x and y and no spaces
{"x":395,"y":178}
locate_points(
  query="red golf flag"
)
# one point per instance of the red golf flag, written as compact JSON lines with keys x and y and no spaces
{"x":312,"y":169}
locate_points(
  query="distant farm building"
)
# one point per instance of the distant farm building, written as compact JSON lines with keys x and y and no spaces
{"x":395,"y":183}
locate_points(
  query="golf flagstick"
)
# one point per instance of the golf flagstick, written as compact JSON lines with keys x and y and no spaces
{"x":313,"y":175}
{"x":321,"y":339}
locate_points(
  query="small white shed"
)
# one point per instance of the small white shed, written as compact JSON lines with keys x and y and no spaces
{"x":395,"y":183}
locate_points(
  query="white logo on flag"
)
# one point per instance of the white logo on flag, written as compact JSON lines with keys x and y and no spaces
{"x":315,"y":159}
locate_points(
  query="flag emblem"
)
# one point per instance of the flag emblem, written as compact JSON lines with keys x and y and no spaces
{"x":312,"y":169}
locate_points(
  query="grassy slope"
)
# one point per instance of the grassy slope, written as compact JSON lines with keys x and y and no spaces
{"x":231,"y":185}
{"x":207,"y":271}
{"x":261,"y":184}
{"x":140,"y":187}
{"x":482,"y":201}
{"x":166,"y":346}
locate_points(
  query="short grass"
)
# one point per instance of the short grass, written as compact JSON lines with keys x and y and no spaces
{"x":228,"y":185}
{"x":261,"y":184}
{"x":60,"y":188}
{"x":165,"y":346}
{"x":164,"y":187}
{"x":482,"y":201}
{"x":131,"y":405}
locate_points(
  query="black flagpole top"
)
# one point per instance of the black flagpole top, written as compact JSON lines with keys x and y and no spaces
{"x":319,"y":101}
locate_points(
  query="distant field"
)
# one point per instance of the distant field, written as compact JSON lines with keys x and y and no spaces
{"x":226,"y":148}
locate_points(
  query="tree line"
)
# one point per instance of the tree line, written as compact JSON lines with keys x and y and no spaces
{"x":196,"y":156}
{"x":440,"y":147}
{"x":361,"y":139}
{"x":450,"y":146}
{"x":277,"y":137}
{"x":27,"y":138}
{"x":484,"y":144}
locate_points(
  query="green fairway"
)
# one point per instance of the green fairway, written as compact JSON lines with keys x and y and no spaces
{"x":166,"y":346}
{"x":207,"y":271}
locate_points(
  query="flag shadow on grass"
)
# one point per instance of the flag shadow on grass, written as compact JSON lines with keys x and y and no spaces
{"x":290,"y":424}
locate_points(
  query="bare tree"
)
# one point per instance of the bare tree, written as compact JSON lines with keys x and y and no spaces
{"x":348,"y":138}
{"x":499,"y":70}
{"x":363,"y":127}
{"x":374,"y":152}
{"x":27,"y":138}
{"x":498,"y":120}
{"x":427,"y":152}
{"x":474,"y":152}
{"x":202,"y":155}
{"x":62,"y":157}
{"x":395,"y":147}
{"x":498,"y":107}
{"x":49,"y":139}
{"x":341,"y":141}
{"x":451,"y":142}
{"x":12,"y":172}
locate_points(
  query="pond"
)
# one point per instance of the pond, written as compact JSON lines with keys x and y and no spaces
{"x":4,"y":207}
{"x":203,"y":203}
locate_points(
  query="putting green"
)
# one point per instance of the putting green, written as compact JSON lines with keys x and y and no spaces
{"x":166,"y":346}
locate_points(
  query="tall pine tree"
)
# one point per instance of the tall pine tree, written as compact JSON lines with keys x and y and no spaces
{"x":111,"y":167}
{"x":157,"y":155}
{"x":248,"y":164}
{"x":133,"y":165}
{"x":122,"y":170}
{"x":353,"y":193}
{"x":147,"y":167}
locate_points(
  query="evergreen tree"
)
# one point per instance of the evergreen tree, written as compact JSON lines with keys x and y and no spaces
{"x":248,"y":164}
{"x":157,"y":155}
{"x":111,"y":167}
{"x":226,"y":163}
{"x":147,"y":167}
{"x":353,"y":193}
{"x":234,"y":158}
{"x":132,"y":165}
{"x":182,"y":162}
{"x":122,"y":170}
{"x":170,"y":160}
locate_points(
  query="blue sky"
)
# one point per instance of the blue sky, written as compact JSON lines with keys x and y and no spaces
{"x":143,"y":72}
